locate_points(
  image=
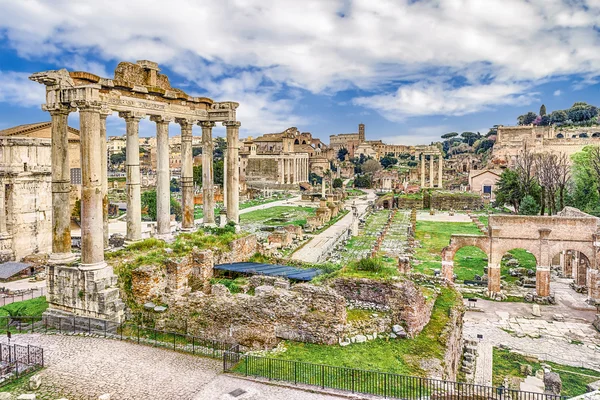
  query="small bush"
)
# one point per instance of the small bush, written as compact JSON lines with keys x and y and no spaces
{"x":368,"y":264}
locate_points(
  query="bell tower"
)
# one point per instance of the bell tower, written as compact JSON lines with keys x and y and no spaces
{"x":361,"y":132}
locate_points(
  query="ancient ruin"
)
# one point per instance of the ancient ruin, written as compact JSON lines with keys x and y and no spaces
{"x":136,"y":91}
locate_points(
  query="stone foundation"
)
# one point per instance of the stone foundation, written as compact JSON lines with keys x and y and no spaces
{"x":83,"y":293}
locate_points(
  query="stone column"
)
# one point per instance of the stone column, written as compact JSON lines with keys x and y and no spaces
{"x":104,"y":113}
{"x":225,"y":178}
{"x":440,"y":166}
{"x":493,"y":278}
{"x":132,"y":170}
{"x":61,"y":187}
{"x":431,"y":181}
{"x":280,"y":175}
{"x":448,"y":270}
{"x":163,"y":184}
{"x":92,"y":227}
{"x":233,"y":171}
{"x":187,"y":175}
{"x":323,"y":187}
{"x":208,"y":189}
{"x":542,"y":281}
{"x":422,"y":170}
{"x":3,"y":210}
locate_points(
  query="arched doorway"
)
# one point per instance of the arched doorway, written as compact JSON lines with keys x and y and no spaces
{"x":518,"y":267}
{"x":573,"y":264}
{"x":560,"y":136}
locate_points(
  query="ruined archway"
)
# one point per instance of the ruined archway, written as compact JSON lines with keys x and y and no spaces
{"x":518,"y":266}
{"x":470,"y":264}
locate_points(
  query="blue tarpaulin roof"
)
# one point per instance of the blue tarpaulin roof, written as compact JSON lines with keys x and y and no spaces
{"x":271,"y":270}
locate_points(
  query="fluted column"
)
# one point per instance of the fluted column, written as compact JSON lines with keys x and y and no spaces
{"x":431,"y":182}
{"x":233,"y":171}
{"x":92,"y":227}
{"x":422,"y":170}
{"x":132,"y":171}
{"x":61,"y":187}
{"x":104,"y":113}
{"x":187,"y":175}
{"x":163,"y":184}
{"x":208,"y":189}
{"x":440,"y":171}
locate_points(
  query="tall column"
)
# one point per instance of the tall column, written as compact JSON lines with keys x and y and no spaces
{"x":104,"y":113}
{"x":2,"y":210}
{"x":208,"y":190}
{"x":225,"y":178}
{"x":132,"y":171}
{"x":92,"y":228}
{"x":233,"y":171}
{"x":431,"y":182}
{"x":422,"y":170}
{"x":163,"y":184}
{"x":187,"y":175}
{"x":61,"y":187}
{"x":440,"y":171}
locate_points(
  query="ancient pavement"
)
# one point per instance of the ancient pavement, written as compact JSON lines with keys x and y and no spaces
{"x":83,"y":368}
{"x":572,"y":341}
{"x":312,"y":251}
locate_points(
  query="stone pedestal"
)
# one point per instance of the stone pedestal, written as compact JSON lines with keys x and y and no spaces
{"x":448,"y":270}
{"x":542,"y":281}
{"x":86,"y":293}
{"x":493,"y":278}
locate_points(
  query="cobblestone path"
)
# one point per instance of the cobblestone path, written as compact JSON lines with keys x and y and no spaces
{"x":83,"y":368}
{"x":483,"y":365}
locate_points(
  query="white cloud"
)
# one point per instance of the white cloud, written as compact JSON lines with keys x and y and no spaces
{"x":17,"y":89}
{"x":500,"y":48}
{"x":425,"y":98}
{"x":557,"y":92}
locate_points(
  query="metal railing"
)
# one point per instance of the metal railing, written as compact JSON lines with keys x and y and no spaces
{"x":24,"y":295}
{"x":16,"y":360}
{"x":382,"y":384}
{"x":121,"y":331}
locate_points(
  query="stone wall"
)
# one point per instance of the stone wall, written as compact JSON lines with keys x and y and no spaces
{"x":452,"y":336}
{"x":455,"y":201}
{"x":305,"y":313}
{"x":407,"y":203}
{"x":405,"y":302}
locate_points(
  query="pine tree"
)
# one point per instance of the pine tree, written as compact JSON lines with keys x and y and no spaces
{"x":542,"y":110}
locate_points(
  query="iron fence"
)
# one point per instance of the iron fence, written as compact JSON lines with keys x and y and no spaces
{"x":382,"y":384}
{"x":126,"y":331}
{"x":24,"y":295}
{"x":16,"y":360}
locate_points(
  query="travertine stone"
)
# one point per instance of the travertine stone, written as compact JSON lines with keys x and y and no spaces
{"x":61,"y":187}
{"x":187,"y":175}
{"x":542,"y":281}
{"x":104,"y":113}
{"x":132,"y":169}
{"x":92,"y":226}
{"x":431,"y":171}
{"x":233,"y":171}
{"x":493,"y":278}
{"x":440,"y":168}
{"x":163,"y":194}
{"x":208,"y":190}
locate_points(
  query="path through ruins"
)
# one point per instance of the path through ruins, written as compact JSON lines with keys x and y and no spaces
{"x":79,"y":367}
{"x":321,"y":244}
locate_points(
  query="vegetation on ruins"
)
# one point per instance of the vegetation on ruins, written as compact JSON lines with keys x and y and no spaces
{"x":342,"y":153}
{"x":27,"y":308}
{"x":385,"y":355}
{"x":148,"y":199}
{"x":580,"y":114}
{"x":388,"y":161}
{"x":467,"y":142}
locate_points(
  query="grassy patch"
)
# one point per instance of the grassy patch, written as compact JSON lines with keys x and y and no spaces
{"x":356,"y":314}
{"x":278,"y":216}
{"x":525,"y":259}
{"x":28,"y":308}
{"x":395,"y":356}
{"x":468,"y":262}
{"x":574,"y":379}
{"x":484,"y":219}
{"x":234,"y":285}
{"x":434,"y":236}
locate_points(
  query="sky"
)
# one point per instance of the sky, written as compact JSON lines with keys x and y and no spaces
{"x":411,"y":70}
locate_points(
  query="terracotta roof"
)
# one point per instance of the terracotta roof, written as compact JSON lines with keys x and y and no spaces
{"x":483,"y":171}
{"x":26,"y":129}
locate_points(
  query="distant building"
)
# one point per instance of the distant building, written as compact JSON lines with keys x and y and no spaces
{"x":348,"y":141}
{"x":484,"y":182}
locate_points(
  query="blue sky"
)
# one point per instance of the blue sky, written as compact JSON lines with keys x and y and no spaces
{"x":410,"y":70}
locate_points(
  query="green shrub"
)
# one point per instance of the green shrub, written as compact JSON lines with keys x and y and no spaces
{"x":368,"y":264}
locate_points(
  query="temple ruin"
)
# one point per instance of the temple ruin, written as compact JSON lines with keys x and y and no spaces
{"x":139,"y":90}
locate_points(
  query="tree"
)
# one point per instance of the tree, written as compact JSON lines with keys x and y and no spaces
{"x":148,"y":201}
{"x":528,"y":206}
{"x":198,"y":176}
{"x":362,"y":181}
{"x":542,"y":110}
{"x":405,"y":156}
{"x":558,"y":116}
{"x":469,"y":137}
{"x":196,"y":151}
{"x":341,"y":155}
{"x":527,"y":119}
{"x":218,"y":174}
{"x":388,"y":161}
{"x":174,"y":186}
{"x":412,"y":163}
{"x":338,"y":183}
{"x":219,"y":149}
{"x":563,"y":177}
{"x":525,"y":167}
{"x":547,"y":175}
{"x":449,"y":135}
{"x":118,"y":158}
{"x":585,"y":189}
{"x":314,"y":178}
{"x":371,"y":166}
{"x":509,"y":190}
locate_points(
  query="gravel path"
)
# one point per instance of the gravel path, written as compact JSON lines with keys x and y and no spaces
{"x":80,"y":367}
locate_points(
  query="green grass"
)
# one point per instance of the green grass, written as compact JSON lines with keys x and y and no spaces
{"x":234,"y":285}
{"x":357,"y":314}
{"x":278,"y":216}
{"x":394,"y":356}
{"x":526,"y":260}
{"x":574,"y":379}
{"x":434,"y":236}
{"x":355,"y":192}
{"x":468,"y":262}
{"x":484,"y":219}
{"x":28,"y":308}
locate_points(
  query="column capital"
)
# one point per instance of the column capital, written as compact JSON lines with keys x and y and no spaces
{"x":131,"y":115}
{"x":206,"y":124}
{"x":161,"y":119}
{"x":105,"y":112}
{"x":185,"y":122}
{"x":60,"y":109}
{"x":235,"y":124}
{"x":88,"y":105}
